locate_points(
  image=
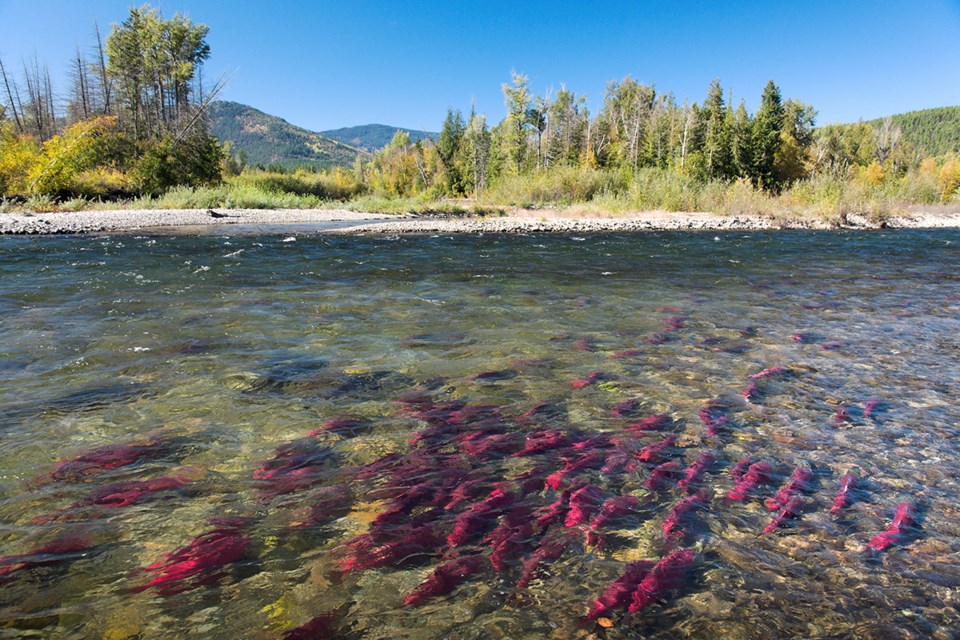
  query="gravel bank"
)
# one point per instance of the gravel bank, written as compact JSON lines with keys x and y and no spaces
{"x":552,"y":222}
{"x":254,"y":221}
{"x":169,"y":220}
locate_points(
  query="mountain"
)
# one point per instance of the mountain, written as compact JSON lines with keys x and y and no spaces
{"x":372,"y":137}
{"x":934,"y":132}
{"x":267,"y":139}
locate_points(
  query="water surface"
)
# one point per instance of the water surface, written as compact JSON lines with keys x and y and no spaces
{"x":211,"y":360}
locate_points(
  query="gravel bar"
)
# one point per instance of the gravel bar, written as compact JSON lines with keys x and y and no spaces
{"x":341,"y":221}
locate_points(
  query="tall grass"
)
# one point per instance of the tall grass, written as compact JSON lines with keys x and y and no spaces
{"x":829,"y":196}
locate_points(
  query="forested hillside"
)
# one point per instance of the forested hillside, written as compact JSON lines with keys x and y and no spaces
{"x":373,"y":137}
{"x":267,"y":140}
{"x":934,"y":132}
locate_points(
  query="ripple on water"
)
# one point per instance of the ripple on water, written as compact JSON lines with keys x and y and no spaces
{"x":349,"y":414}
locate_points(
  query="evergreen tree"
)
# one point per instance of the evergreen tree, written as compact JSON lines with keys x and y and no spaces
{"x":767,"y":125}
{"x":448,"y":148}
{"x":741,"y":146}
{"x":716,"y":144}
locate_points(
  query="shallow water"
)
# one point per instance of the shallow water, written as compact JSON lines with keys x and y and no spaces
{"x":209,"y":360}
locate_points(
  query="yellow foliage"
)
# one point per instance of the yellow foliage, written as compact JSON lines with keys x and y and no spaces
{"x":873,"y":173}
{"x":790,"y":159}
{"x":66,"y":155}
{"x":17,"y":155}
{"x":949,"y":179}
{"x":928,"y":168}
{"x":100,"y":182}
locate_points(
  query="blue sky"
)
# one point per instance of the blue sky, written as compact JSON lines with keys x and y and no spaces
{"x":323,"y":65}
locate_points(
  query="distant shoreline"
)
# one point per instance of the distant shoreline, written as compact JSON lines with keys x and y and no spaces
{"x":340,"y":221}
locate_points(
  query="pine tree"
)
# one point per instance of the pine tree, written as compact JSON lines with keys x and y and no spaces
{"x":716,"y":147}
{"x":740,"y":143}
{"x":448,"y":148}
{"x":767,"y":125}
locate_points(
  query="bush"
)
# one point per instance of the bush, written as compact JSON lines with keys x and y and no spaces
{"x":558,"y":186}
{"x":166,"y":163}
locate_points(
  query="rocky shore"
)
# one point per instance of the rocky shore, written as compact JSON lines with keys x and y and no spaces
{"x":340,"y":221}
{"x":175,"y":221}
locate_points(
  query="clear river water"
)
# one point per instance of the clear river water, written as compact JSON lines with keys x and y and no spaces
{"x":662,"y":435}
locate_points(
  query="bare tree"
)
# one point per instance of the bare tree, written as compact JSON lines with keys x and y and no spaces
{"x":887,"y":136}
{"x":10,"y":99}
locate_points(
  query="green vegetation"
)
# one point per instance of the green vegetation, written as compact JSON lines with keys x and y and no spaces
{"x":134,"y":122}
{"x":138,"y":126}
{"x":259,"y":139}
{"x":373,"y":137}
{"x":932,"y":132}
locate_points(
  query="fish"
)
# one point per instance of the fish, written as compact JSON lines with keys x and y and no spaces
{"x":295,"y":465}
{"x":848,"y":484}
{"x":123,"y":494}
{"x":322,"y":627}
{"x":542,"y":441}
{"x":342,"y":426}
{"x":674,"y":525}
{"x":651,"y":423}
{"x":467,"y":491}
{"x":477,"y":517}
{"x":871,"y":406}
{"x":545,"y":412}
{"x":550,"y":549}
{"x":585,"y":344}
{"x":696,"y":470}
{"x":803,"y":337}
{"x":666,"y":575}
{"x":611,"y":510}
{"x":201,"y":562}
{"x":66,"y":548}
{"x":619,"y":593}
{"x":495,"y":444}
{"x":100,"y":460}
{"x":799,"y":481}
{"x":588,"y":380}
{"x":830,"y":346}
{"x":548,"y":514}
{"x":531,"y":481}
{"x":771,"y":372}
{"x":510,"y":537}
{"x":895,"y":533}
{"x":675,"y":322}
{"x":627,"y":408}
{"x":653,"y":452}
{"x":616,"y":460}
{"x":589,"y":460}
{"x":714,"y":416}
{"x":739,"y":469}
{"x":790,"y":509}
{"x":444,"y":579}
{"x":753,"y":391}
{"x":842,"y":415}
{"x":757,"y":474}
{"x":584,"y":502}
{"x":396,"y":546}
{"x":662,"y":474}
{"x":324,"y":505}
{"x":495,"y":376}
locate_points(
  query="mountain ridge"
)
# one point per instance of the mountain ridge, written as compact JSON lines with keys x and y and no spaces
{"x":268,"y":140}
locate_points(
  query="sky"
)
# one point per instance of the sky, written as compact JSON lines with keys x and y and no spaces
{"x":328,"y":64}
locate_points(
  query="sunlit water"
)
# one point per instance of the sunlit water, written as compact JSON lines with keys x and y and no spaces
{"x":211,"y":359}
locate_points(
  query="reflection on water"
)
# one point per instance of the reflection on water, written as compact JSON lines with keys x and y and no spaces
{"x":664,"y":435}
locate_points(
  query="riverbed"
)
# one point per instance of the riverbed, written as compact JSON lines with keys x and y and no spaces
{"x":415,"y":436}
